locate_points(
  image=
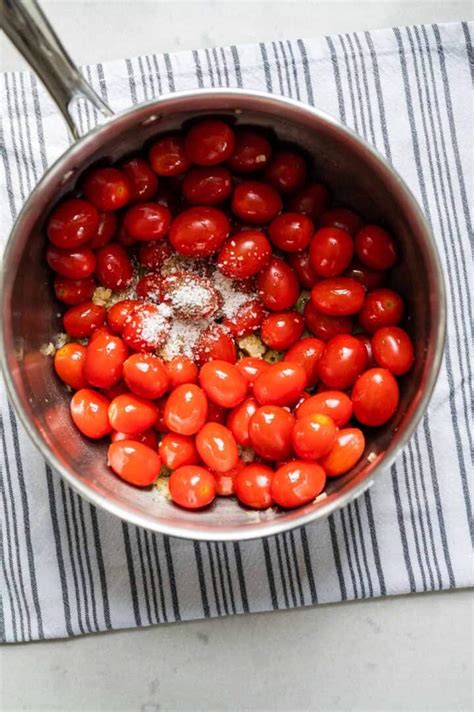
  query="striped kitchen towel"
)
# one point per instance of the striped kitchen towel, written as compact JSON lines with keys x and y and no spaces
{"x":67,"y":568}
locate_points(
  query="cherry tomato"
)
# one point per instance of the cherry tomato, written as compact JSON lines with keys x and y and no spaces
{"x":89,"y":413}
{"x":69,"y":365}
{"x":270,"y":430}
{"x":216,"y":413}
{"x":190,"y":295}
{"x":342,"y":218}
{"x":343,"y":359}
{"x":331,"y":251}
{"x":180,"y":370}
{"x":312,"y":199}
{"x":143,"y":181}
{"x":104,"y":361}
{"x":178,"y":450}
{"x":199,"y":231}
{"x":153,"y":254}
{"x":375,"y":397}
{"x":215,"y":343}
{"x":168,"y":156}
{"x":291,"y":232}
{"x":146,"y":375}
{"x":101,"y":331}
{"x":313,"y":436}
{"x":246,"y":319}
{"x":106,"y":229}
{"x":148,"y":438}
{"x":146,"y":328}
{"x":282,"y":329}
{"x":307,"y":353}
{"x":375,"y":247}
{"x":186,"y":410}
{"x":223,"y":383}
{"x":282,"y":384}
{"x":252,"y":152}
{"x":393,"y":350}
{"x":129,"y":413}
{"x":286,"y":171}
{"x":209,"y":142}
{"x":192,"y":487}
{"x":297,"y":483}
{"x":72,"y":223}
{"x":251,"y":367}
{"x":150,"y":287}
{"x":340,"y":296}
{"x":277,"y":285}
{"x":336,"y":404}
{"x":225,"y":481}
{"x":244,"y":254}
{"x":108,"y":188}
{"x":73,"y":264}
{"x":123,"y":238}
{"x":81,"y":320}
{"x":382,"y":307}
{"x":253,"y":485}
{"x":119,"y":314}
{"x":134,"y":462}
{"x":114,"y":269}
{"x":303,"y":269}
{"x":369,"y":278}
{"x":207,"y":186}
{"x":367,"y":343}
{"x":345,"y":453}
{"x":217,"y":447}
{"x":238,"y":421}
{"x":147,"y":221}
{"x":73,"y":291}
{"x":325,"y":327}
{"x":255,"y":202}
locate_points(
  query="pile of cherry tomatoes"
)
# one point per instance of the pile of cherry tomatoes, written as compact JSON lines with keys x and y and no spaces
{"x":224,"y":422}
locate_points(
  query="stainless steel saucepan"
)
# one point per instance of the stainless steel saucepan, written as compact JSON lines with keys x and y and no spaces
{"x":355,"y":172}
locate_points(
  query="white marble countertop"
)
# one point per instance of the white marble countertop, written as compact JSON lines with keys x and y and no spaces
{"x":407,"y":653}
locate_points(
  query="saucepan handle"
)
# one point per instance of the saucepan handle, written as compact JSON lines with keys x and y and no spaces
{"x":27,"y":27}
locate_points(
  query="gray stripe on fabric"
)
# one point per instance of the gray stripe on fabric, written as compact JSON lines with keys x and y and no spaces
{"x":59,"y":552}
{"x":157,"y":73}
{"x":439,"y":507}
{"x":307,"y":76}
{"x":375,"y":547}
{"x":349,"y":511}
{"x":337,"y":79}
{"x":266,"y":67}
{"x":100,"y":566}
{"x":357,"y":82}
{"x":355,"y":120}
{"x":8,"y":174}
{"x":308,"y":565}
{"x":151,"y":77}
{"x":366,"y":85}
{"x":209,"y":67}
{"x":413,"y":521}
{"x":39,"y":122}
{"x":293,"y":66}
{"x":169,"y":72}
{"x":71,"y":557}
{"x":347,"y":543}
{"x":202,"y":582}
{"x":449,"y":371}
{"x":78,"y":549}
{"x":229,"y":576}
{"x":237,"y":68}
{"x":172,"y":578}
{"x":143,"y":580}
{"x":409,"y":454}
{"x":221,"y":578}
{"x":401,"y":527}
{"x":131,"y":573}
{"x":32,"y":160}
{"x":3,"y":635}
{"x":14,"y":142}
{"x":131,"y":82}
{"x":146,"y":536}
{"x":348,"y":552}
{"x":213,"y":578}
{"x":283,"y":587}
{"x":224,"y":64}
{"x":159,"y":574}
{"x":270,"y":575}
{"x":380,"y":99}
{"x":287,"y":71}
{"x":468,"y":41}
{"x":216,"y":64}
{"x":362,"y":546}
{"x":9,"y":590}
{"x":90,"y":576}
{"x":27,"y":525}
{"x":337,"y":557}
{"x":278,"y":66}
{"x":294,"y":554}
{"x":241,"y":577}
{"x":24,"y":163}
{"x":197,"y":63}
{"x":288,"y":567}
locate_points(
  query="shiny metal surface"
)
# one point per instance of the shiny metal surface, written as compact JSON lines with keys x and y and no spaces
{"x":356,"y":174}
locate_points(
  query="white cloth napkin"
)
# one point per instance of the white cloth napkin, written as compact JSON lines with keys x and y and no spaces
{"x":67,"y":568}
